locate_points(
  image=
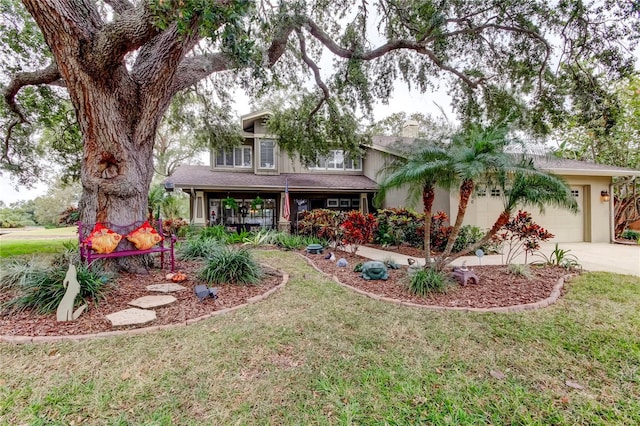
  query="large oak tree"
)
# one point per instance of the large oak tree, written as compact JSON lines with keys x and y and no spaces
{"x":122,"y":62}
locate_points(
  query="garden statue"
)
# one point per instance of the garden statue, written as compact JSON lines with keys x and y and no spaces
{"x":342,"y":262}
{"x":374,"y":270}
{"x":65,"y":308}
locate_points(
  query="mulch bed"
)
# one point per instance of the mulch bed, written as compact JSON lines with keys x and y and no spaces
{"x":496,"y":288}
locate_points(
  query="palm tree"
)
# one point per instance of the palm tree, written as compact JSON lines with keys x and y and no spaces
{"x":420,"y":168}
{"x":527,"y":186}
{"x":476,"y":154}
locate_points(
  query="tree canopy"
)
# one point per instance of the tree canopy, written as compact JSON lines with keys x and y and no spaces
{"x":123,"y":61}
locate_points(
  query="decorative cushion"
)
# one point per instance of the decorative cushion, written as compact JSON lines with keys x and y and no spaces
{"x":144,"y":237}
{"x":103,"y":240}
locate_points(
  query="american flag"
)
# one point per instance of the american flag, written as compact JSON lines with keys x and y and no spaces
{"x":286,"y":210}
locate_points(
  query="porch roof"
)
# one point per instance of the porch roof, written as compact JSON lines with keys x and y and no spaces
{"x":202,"y":177}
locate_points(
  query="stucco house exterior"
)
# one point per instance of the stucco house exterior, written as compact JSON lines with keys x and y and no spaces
{"x":259,"y":169}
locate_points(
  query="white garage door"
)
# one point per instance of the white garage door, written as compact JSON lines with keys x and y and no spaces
{"x":566,"y":226}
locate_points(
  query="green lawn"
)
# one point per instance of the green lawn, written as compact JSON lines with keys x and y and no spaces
{"x":315,"y":353}
{"x":10,"y":248}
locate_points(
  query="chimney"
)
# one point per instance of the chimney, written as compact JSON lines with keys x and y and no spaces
{"x":410,"y":129}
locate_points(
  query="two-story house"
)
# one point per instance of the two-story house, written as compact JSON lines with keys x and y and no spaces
{"x":259,"y":169}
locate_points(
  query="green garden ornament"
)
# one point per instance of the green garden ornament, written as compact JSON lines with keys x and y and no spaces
{"x":374,"y":270}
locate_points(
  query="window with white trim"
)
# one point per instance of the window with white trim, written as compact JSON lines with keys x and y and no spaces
{"x":267,"y":154}
{"x":234,"y":157}
{"x":337,"y":160}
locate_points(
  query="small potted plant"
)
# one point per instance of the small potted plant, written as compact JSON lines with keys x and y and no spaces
{"x":230,"y":203}
{"x":257,"y":203}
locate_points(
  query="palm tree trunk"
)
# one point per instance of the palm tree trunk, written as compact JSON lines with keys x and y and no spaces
{"x":502,"y":220}
{"x":428,"y":195}
{"x":466,"y":189}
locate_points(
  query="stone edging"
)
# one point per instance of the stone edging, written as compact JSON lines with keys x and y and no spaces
{"x":134,"y":331}
{"x":553,"y":297}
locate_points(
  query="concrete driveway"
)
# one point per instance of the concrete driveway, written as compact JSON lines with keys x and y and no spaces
{"x":618,"y":258}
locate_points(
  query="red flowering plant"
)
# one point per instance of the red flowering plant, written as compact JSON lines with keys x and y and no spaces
{"x":440,"y":231}
{"x":357,"y":229}
{"x":521,"y":235}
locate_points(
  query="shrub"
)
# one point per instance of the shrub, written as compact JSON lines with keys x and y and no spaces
{"x":39,"y":286}
{"x":519,"y":270}
{"x":357,"y":229}
{"x":522,"y":235}
{"x":398,"y":226}
{"x":231,"y":265}
{"x":197,"y":248}
{"x":322,"y":223}
{"x":468,"y":235}
{"x":428,"y":280}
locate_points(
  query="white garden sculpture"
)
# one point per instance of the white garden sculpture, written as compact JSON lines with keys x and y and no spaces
{"x":65,"y":308}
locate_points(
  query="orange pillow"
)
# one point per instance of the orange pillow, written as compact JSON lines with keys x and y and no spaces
{"x":144,"y":237}
{"x":103,"y":240}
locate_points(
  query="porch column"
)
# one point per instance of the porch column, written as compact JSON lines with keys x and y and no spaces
{"x":284,"y":225}
{"x":199,"y":210}
{"x":364,"y":204}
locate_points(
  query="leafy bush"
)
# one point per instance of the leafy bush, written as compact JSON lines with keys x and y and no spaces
{"x":468,"y":235}
{"x":321,"y":223}
{"x":428,"y":280}
{"x":39,"y":286}
{"x":357,"y":229}
{"x":231,"y":265}
{"x":197,"y":248}
{"x":522,"y":235}
{"x":261,"y":238}
{"x":398,"y":226}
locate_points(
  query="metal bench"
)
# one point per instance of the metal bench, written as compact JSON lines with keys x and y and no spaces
{"x":125,"y":247}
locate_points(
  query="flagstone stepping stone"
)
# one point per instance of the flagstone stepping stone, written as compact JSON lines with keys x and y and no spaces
{"x":132,"y":316}
{"x":166,"y":288}
{"x":152,"y":301}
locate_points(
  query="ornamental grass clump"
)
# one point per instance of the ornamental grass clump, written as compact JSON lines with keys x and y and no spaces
{"x":198,"y":248}
{"x":428,"y":280}
{"x":39,"y":286}
{"x":231,"y":265}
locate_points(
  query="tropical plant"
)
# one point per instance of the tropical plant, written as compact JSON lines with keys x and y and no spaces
{"x":419,"y":168}
{"x":357,"y":229}
{"x":525,"y":185}
{"x":521,"y":235}
{"x":321,"y":223}
{"x":427,"y":280}
{"x":559,"y":257}
{"x":218,"y":232}
{"x":231,"y":265}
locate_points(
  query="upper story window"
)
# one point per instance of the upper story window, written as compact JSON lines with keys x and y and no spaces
{"x":337,"y":160}
{"x":267,"y":154}
{"x":234,"y":157}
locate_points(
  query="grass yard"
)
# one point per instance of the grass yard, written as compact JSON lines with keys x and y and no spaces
{"x":16,"y":247}
{"x":315,"y":353}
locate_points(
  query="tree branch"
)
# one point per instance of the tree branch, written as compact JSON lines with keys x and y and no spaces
{"x":390,"y":46}
{"x":47,"y":75}
{"x":119,"y":6}
{"x":316,"y":75}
